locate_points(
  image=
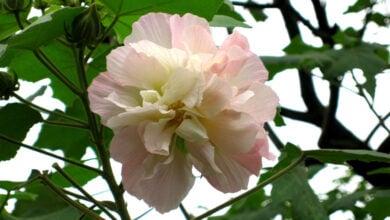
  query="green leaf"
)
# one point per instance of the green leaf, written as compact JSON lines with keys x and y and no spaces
{"x":9,"y":185}
{"x":294,"y":187}
{"x":61,"y":56}
{"x":72,"y":141}
{"x":65,"y":213}
{"x":367,"y":57}
{"x":384,"y":170}
{"x":44,"y":30}
{"x":258,"y":14}
{"x":15,"y":121}
{"x":226,"y":21}
{"x":380,"y":19}
{"x":46,"y":203}
{"x":337,"y":156}
{"x":377,"y":208}
{"x":203,"y":8}
{"x":358,"y":6}
{"x":278,"y":119}
{"x":78,"y":174}
{"x":290,"y":153}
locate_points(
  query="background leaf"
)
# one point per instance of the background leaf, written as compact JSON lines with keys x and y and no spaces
{"x":15,"y":121}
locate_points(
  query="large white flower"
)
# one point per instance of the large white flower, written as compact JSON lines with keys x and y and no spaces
{"x":175,"y":100}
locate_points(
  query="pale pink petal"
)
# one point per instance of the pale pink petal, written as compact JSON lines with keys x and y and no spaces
{"x":253,"y":70}
{"x":180,"y":24}
{"x":136,"y":115}
{"x":190,"y":129}
{"x":202,"y":154}
{"x":157,"y":137}
{"x":233,"y":177}
{"x":216,"y":97}
{"x":235,"y":39}
{"x":261,"y":105}
{"x":129,"y":67}
{"x":231,"y":131}
{"x":127,"y":147}
{"x":185,"y":86}
{"x":196,"y":39}
{"x":170,"y":183}
{"x":154,"y":27}
{"x":101,"y":87}
{"x":252,"y":160}
{"x":168,"y":57}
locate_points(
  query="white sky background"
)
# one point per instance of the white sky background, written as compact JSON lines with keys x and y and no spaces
{"x":266,"y":38}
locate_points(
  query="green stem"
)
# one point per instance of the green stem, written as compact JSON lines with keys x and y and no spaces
{"x":63,"y":124}
{"x":85,"y":193}
{"x":53,"y":69}
{"x":59,"y":114}
{"x":187,"y":216}
{"x":18,"y":20}
{"x":97,"y":137}
{"x":50,"y":154}
{"x":253,"y":190}
{"x":77,"y":205}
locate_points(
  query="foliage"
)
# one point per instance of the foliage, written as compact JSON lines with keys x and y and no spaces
{"x":39,"y":47}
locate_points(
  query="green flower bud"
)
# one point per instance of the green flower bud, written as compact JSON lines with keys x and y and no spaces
{"x":41,"y":4}
{"x":16,"y":5}
{"x":8,"y":84}
{"x":86,"y":27}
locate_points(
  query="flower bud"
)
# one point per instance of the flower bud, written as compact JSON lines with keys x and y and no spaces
{"x":15,"y":5}
{"x":8,"y":84}
{"x":86,"y":27}
{"x":41,"y":4}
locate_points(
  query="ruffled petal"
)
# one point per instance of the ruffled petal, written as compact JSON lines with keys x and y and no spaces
{"x":232,"y":178}
{"x":216,"y":97}
{"x":202,"y":154}
{"x":184,"y":30}
{"x":136,"y":115}
{"x":153,"y":27}
{"x":170,"y":183}
{"x":261,"y":104}
{"x":231,"y":131}
{"x":127,"y":147}
{"x":131,"y":68}
{"x":192,"y":130}
{"x":185,"y":86}
{"x":170,"y":58}
{"x":157,"y":137}
{"x":235,"y":39}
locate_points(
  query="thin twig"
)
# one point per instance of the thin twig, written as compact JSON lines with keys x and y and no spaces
{"x":60,"y":193}
{"x":370,"y":105}
{"x":85,"y":193}
{"x":42,"y":109}
{"x":56,"y":72}
{"x":376,"y":128}
{"x":254,"y":189}
{"x":11,"y":140}
{"x":183,"y":210}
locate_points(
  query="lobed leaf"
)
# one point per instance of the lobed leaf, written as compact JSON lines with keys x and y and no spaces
{"x":15,"y":121}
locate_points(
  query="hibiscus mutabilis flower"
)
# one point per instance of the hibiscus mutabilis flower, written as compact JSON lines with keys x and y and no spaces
{"x":176,"y":101}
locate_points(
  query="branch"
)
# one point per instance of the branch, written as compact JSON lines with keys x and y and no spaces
{"x":254,"y":5}
{"x":85,"y":193}
{"x":97,"y":137}
{"x":13,"y":141}
{"x":254,"y":189}
{"x":274,"y":138}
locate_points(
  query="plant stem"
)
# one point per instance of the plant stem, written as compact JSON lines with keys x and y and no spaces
{"x":59,"y":114}
{"x":187,"y":216}
{"x":361,"y":92}
{"x":8,"y":139}
{"x":53,"y":69}
{"x":63,"y":124}
{"x":85,"y":193}
{"x":77,"y":205}
{"x":97,"y":138}
{"x":254,"y":189}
